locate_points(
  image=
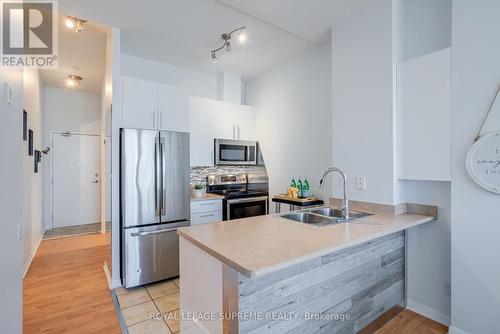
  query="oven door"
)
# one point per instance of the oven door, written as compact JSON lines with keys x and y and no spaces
{"x":235,"y":152}
{"x":246,"y":207}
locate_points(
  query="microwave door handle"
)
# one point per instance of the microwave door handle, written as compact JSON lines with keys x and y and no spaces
{"x":248,"y":153}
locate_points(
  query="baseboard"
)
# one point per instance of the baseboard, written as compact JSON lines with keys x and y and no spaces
{"x":28,"y":265}
{"x":116,"y":284}
{"x":428,"y":312}
{"x":454,"y":330}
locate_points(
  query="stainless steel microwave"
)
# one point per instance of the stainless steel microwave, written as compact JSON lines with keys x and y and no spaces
{"x":235,"y":152}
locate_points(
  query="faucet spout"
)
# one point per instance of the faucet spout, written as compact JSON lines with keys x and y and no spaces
{"x":345,"y":203}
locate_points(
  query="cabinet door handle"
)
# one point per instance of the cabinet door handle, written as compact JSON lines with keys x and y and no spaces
{"x":154,"y":119}
{"x":161,"y":120}
{"x":238,"y":132}
{"x":205,"y":216}
{"x":234,"y":132}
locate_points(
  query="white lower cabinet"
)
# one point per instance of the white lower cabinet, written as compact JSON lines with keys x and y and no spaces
{"x":206,"y":212}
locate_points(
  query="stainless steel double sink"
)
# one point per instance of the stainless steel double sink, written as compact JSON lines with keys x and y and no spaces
{"x":322,"y":216}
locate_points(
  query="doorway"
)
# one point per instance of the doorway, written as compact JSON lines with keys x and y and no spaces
{"x":75,"y":180}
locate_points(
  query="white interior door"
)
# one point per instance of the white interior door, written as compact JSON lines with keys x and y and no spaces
{"x":75,"y":180}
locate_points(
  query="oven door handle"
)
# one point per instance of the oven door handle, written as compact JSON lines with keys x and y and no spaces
{"x":245,"y":200}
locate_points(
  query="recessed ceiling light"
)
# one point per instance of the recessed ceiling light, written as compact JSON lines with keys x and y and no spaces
{"x":73,"y":80}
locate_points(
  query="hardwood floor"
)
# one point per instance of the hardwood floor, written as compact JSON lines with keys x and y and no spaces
{"x":66,"y":291}
{"x":408,"y":322}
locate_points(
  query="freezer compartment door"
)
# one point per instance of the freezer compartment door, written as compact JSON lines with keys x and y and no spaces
{"x":140,"y":177}
{"x":174,"y":147}
{"x":150,"y":254}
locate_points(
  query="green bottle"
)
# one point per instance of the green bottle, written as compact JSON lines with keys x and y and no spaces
{"x":299,"y":186}
{"x":293,"y":184}
{"x":305,"y":188}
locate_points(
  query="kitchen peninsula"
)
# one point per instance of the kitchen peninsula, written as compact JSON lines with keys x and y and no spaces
{"x":282,"y":276}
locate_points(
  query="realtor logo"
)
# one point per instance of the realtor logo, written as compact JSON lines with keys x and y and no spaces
{"x":29,"y":34}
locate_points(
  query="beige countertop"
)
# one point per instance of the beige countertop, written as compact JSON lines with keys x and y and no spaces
{"x":260,"y":245}
{"x":206,"y":196}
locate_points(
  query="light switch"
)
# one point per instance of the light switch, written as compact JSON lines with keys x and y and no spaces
{"x":7,"y":91}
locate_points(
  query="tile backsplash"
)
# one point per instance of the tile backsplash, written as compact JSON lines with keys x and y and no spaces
{"x":199,"y":174}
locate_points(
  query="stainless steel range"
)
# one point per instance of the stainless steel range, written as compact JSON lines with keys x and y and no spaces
{"x":245,"y":195}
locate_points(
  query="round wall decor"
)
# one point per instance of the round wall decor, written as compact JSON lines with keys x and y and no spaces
{"x":483,"y":162}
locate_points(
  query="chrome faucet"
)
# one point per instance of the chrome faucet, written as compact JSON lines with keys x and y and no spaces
{"x":345,"y":203}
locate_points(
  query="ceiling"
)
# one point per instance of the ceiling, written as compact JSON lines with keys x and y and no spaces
{"x":307,"y":19}
{"x":183,"y":32}
{"x":83,"y":54}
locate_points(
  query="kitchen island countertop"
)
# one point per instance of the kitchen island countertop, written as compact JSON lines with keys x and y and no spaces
{"x":260,"y":245}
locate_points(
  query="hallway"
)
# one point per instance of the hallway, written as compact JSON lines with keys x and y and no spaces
{"x":65,"y":289}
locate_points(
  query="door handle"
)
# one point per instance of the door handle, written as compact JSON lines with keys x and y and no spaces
{"x":96,"y":181}
{"x":140,"y":234}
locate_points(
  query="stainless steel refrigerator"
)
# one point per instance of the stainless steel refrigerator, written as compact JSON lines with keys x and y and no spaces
{"x":154,"y":200}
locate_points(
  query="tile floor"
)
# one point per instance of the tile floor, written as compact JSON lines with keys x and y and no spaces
{"x":137,"y":305}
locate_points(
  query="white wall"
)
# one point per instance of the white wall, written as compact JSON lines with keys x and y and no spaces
{"x":72,"y":110}
{"x":293,"y":118}
{"x":475,"y":235}
{"x":33,"y":227}
{"x":366,"y":49}
{"x":67,"y":110}
{"x":429,"y":252}
{"x":194,"y":82}
{"x":13,"y":149}
{"x":425,"y":27}
{"x":363,"y":101}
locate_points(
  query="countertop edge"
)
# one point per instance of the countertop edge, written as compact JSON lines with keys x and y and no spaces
{"x":269,"y":269}
{"x":218,"y":256}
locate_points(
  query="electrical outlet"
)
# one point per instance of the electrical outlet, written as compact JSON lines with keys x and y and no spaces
{"x":447,"y":288}
{"x":361,"y":183}
{"x":19,"y":232}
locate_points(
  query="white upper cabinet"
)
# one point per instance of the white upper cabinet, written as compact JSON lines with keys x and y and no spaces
{"x":225,"y":127}
{"x":424,"y":117}
{"x":151,"y":105}
{"x":140,"y":104}
{"x":202,"y":130}
{"x":173,"y":108}
{"x":245,"y":119}
{"x":235,"y":121}
{"x":210,"y":119}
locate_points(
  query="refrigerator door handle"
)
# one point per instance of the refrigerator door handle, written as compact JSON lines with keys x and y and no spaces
{"x":157,"y":179}
{"x":139,"y":234}
{"x":163,"y":180}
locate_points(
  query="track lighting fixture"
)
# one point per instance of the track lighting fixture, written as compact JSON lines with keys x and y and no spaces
{"x":75,"y":23}
{"x":227,"y":43}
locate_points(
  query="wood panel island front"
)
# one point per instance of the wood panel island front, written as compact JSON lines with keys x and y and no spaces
{"x":268,"y":274}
